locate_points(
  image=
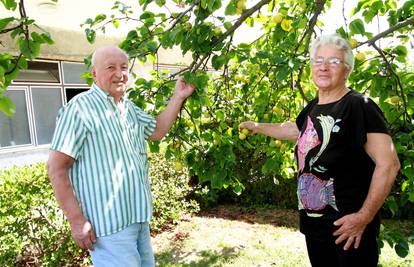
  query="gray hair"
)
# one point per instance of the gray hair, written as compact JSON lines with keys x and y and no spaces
{"x":338,"y":42}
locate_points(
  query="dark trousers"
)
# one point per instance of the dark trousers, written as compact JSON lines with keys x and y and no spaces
{"x":324,"y":252}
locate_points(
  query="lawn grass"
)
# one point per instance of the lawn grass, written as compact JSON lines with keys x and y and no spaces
{"x":233,"y":236}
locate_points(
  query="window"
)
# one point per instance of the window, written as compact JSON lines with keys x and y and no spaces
{"x":15,"y":130}
{"x":72,"y":72}
{"x":46,"y":103}
{"x":40,"y":72}
{"x":38,"y":96}
{"x":71,"y":92}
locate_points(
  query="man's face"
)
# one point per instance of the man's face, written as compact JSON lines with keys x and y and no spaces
{"x":110,"y":71}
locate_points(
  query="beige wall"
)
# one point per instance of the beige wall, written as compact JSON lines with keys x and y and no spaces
{"x":62,"y":20}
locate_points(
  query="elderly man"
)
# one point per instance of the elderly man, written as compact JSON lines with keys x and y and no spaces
{"x":98,"y":163}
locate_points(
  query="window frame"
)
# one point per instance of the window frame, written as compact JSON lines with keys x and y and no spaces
{"x":62,"y":99}
{"x":29,"y":119}
{"x":27,"y":86}
{"x":46,"y":83}
{"x":63,"y":73}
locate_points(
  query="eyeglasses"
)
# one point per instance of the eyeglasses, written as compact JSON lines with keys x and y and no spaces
{"x":332,"y":61}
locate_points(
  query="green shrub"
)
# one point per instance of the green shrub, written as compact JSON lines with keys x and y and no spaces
{"x":34,"y":232}
{"x":170,"y":188}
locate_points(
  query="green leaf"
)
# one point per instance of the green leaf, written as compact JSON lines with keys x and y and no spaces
{"x":231,"y":8}
{"x":227,"y":25}
{"x":9,"y":4}
{"x":218,"y":61}
{"x":98,"y":19}
{"x":402,"y":249}
{"x":152,"y":46}
{"x":7,"y":106}
{"x":201,"y":81}
{"x":146,"y":15}
{"x":47,"y":38}
{"x":357,"y":27}
{"x":160,"y":2}
{"x":4,"y":22}
{"x":90,"y":35}
{"x":37,"y":37}
{"x":269,"y":166}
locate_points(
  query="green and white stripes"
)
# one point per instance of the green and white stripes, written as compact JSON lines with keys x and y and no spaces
{"x":110,"y":174}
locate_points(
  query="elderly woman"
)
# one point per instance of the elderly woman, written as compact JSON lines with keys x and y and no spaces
{"x":346,"y":161}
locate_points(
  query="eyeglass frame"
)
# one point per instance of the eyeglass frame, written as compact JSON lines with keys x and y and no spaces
{"x":327,"y":60}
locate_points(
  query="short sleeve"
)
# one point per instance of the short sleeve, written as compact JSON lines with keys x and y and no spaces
{"x":70,"y":131}
{"x":147,"y":121}
{"x":368,"y":118}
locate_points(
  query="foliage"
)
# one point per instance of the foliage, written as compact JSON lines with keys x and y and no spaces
{"x":267,"y":80}
{"x":32,"y":227}
{"x":29,"y":37}
{"x":170,"y":189}
{"x":33,"y":230}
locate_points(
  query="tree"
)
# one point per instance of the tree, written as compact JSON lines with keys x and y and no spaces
{"x":28,"y":42}
{"x":265,"y":80}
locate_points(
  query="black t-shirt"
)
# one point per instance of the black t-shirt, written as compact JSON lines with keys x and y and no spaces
{"x":334,"y":171}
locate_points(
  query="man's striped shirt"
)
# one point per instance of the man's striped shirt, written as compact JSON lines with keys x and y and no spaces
{"x":110,"y":173}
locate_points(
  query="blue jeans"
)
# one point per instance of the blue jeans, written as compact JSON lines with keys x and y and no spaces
{"x":130,"y":247}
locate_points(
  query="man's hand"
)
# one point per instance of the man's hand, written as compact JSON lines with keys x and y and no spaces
{"x":351,"y":228}
{"x":182,"y":89}
{"x":82,"y":232}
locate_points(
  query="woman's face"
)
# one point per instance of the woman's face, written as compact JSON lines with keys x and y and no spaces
{"x":328,"y":68}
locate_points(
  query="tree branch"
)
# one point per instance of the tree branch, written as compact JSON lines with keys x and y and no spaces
{"x":383,"y":34}
{"x":246,"y":14}
{"x":393,"y":73}
{"x":319,"y":7}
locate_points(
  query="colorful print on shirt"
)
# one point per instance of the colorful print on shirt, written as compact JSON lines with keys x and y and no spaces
{"x":315,"y":194}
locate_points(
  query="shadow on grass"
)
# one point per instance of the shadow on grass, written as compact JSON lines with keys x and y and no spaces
{"x":261,"y":215}
{"x":176,"y":257}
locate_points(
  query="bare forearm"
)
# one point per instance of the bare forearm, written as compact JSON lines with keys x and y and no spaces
{"x":381,"y":184}
{"x":65,"y":196}
{"x":281,"y":131}
{"x":167,"y":117}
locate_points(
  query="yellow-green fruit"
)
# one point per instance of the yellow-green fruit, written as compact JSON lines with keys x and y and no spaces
{"x":278,"y":143}
{"x":277,"y":18}
{"x":245,"y":131}
{"x":178,"y":166}
{"x":242,"y":136}
{"x":360,"y":56}
{"x":353,"y":42}
{"x":272,"y":143}
{"x":240,"y":4}
{"x":277,"y":110}
{"x":394,"y":100}
{"x":286,"y":25}
{"x":187,"y":26}
{"x":177,"y":145}
{"x":217,"y":30}
{"x":266,"y":116}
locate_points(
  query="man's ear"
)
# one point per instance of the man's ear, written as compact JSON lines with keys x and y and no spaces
{"x":93,"y":72}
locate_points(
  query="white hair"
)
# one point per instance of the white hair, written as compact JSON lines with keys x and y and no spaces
{"x":338,"y":42}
